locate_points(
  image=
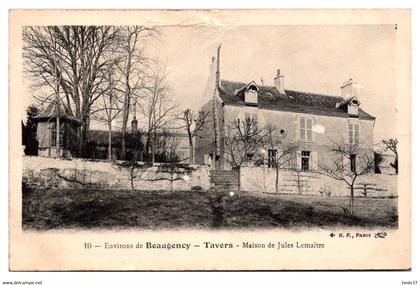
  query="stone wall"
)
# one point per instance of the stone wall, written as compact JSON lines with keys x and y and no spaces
{"x":78,"y":173}
{"x":262,"y":179}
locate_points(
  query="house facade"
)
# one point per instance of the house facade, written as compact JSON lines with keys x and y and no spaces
{"x":312,"y":122}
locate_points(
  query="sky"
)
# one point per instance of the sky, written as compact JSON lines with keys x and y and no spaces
{"x":314,"y":59}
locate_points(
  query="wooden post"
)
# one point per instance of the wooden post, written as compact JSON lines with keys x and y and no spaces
{"x":57,"y":137}
{"x":109,"y":114}
{"x":57,"y":122}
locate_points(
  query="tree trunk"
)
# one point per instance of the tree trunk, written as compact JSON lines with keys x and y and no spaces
{"x":277,"y":180}
{"x":84,"y":137}
{"x":57,"y":137}
{"x":109,"y":142}
{"x":153,"y":148}
{"x":191,"y":142}
{"x":351,"y":205}
{"x":191,"y":152}
{"x":124,"y":128}
{"x":132,"y":176}
{"x":123,"y":149}
{"x":239,"y":179}
{"x":396,"y":165}
{"x":126,"y":111}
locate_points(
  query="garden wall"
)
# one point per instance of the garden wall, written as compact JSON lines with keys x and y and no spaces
{"x":78,"y":173}
{"x":263,"y":180}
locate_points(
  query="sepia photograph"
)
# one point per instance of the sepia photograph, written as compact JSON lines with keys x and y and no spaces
{"x":116,"y":136}
{"x":209,"y":128}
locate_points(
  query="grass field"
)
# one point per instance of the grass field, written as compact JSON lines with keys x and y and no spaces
{"x":71,"y":208}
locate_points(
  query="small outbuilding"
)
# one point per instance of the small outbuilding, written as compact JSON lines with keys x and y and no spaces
{"x":47,"y":131}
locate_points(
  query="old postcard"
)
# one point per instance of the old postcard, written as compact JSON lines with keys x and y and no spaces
{"x":209,"y":140}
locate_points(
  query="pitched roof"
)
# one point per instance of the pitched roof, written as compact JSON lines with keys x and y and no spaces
{"x":294,"y":101}
{"x":51,"y":112}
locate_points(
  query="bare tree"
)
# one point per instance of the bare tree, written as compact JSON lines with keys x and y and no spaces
{"x":74,"y":55}
{"x":193,"y":123}
{"x":157,"y":107}
{"x":241,"y":142}
{"x":109,"y":108}
{"x":132,"y":67}
{"x":169,"y":146}
{"x":280,"y":151}
{"x":340,"y":167}
{"x":391,"y":144}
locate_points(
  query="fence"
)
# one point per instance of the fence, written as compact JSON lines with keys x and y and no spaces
{"x":263,"y":180}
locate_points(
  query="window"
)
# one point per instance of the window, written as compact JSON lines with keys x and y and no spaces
{"x":353,"y":108}
{"x":353,"y":163}
{"x":353,"y":133}
{"x":272,"y":156}
{"x":251,"y":121}
{"x":305,"y":129}
{"x":306,"y":155}
{"x":251,"y":95}
{"x":252,"y":87}
{"x":255,"y":121}
{"x":54,"y":135}
{"x":249,"y":158}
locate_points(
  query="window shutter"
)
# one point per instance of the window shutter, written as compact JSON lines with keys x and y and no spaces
{"x":314,"y":160}
{"x":309,"y":130}
{"x":302,"y":129}
{"x":298,"y":160}
{"x":255,"y":119}
{"x":356,"y":133}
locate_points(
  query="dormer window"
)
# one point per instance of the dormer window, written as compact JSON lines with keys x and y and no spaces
{"x":252,"y":87}
{"x":251,"y":95}
{"x":353,"y":107}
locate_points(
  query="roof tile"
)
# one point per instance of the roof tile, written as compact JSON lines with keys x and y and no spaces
{"x":292,"y":101}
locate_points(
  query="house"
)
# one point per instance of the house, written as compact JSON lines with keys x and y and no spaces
{"x":311,"y":121}
{"x":47,"y":131}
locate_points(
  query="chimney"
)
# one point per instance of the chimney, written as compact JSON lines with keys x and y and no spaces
{"x":215,"y":68}
{"x":217,"y":82}
{"x":279,"y":82}
{"x":348,"y":89}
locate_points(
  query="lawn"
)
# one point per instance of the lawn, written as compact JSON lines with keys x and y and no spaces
{"x":80,"y":208}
